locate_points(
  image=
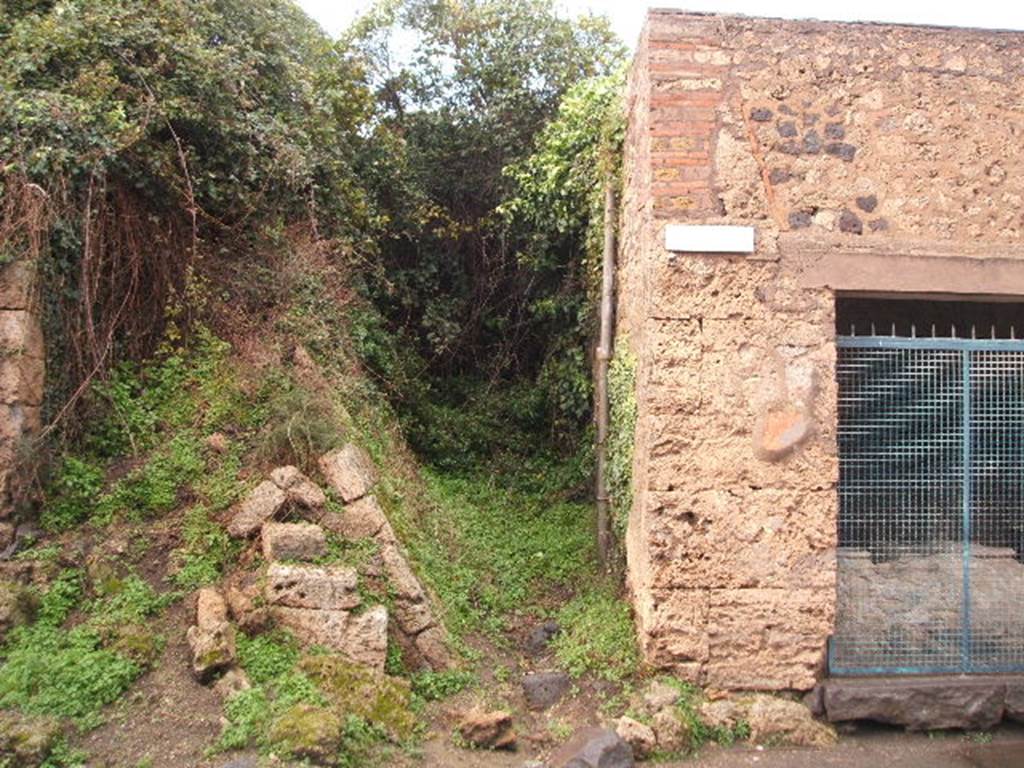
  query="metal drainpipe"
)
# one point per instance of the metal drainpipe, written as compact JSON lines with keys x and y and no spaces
{"x":603,"y":356}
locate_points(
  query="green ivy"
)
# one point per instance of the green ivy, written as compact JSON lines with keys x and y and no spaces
{"x":621,"y":436}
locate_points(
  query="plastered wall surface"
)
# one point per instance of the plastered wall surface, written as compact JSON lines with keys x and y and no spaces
{"x":869,"y":158}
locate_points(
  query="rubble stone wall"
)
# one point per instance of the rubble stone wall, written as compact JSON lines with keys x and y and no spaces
{"x":868,"y":158}
{"x":22,"y":368}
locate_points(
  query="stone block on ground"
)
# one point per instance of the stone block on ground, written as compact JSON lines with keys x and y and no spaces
{"x":244,"y":598}
{"x":781,"y":721}
{"x":400,"y":575}
{"x":323,"y":587}
{"x":308,"y":732}
{"x":349,"y":471}
{"x":639,"y":736}
{"x":293,"y":541}
{"x":488,"y":730}
{"x":724,"y":713}
{"x":211,"y":638}
{"x":299,"y":488}
{"x":361,"y":519}
{"x":232,"y":682}
{"x":919,"y":704}
{"x":545,"y":689}
{"x":432,"y":645}
{"x":211,"y":608}
{"x":362,"y":638}
{"x":1013,"y":703}
{"x":594,"y":748}
{"x":367,"y":638}
{"x":262,"y":504}
{"x":672,"y":732}
{"x":413,"y":618}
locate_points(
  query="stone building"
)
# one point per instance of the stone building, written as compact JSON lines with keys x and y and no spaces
{"x":872,"y":180}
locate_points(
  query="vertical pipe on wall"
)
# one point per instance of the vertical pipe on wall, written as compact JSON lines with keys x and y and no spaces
{"x":603,"y":356}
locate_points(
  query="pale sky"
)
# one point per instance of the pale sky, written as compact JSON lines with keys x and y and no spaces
{"x":627,"y":15}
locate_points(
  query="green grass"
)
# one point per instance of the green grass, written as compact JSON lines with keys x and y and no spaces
{"x":433,"y":686}
{"x":267,"y":657}
{"x":597,"y":635}
{"x":495,"y":544}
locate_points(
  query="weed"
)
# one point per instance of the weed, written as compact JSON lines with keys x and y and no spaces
{"x":597,"y":635}
{"x":63,"y":756}
{"x":495,"y":542}
{"x":207,"y":550}
{"x":72,"y":673}
{"x":77,"y":484}
{"x":432,"y":686}
{"x":153,"y":488}
{"x":978,"y":737}
{"x":559,"y":729}
{"x":300,"y":426}
{"x":688,"y":706}
{"x":267,"y":657}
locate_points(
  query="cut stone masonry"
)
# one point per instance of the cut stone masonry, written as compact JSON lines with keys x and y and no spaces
{"x":868,"y":158}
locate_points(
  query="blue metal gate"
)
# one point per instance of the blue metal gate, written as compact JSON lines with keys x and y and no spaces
{"x":931,"y":506}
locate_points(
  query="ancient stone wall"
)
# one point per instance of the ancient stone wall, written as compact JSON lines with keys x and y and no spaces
{"x":22,"y":368}
{"x":847,"y":147}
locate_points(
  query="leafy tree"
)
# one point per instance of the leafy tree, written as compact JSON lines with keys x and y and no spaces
{"x":157,"y":131}
{"x":467,"y":87}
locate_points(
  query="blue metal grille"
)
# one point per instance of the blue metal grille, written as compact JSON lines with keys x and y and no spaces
{"x":931,"y":506}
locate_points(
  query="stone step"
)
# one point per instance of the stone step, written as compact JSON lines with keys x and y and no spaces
{"x":919,"y":703}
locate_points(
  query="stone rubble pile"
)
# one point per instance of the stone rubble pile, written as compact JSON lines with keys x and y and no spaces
{"x":352,"y":476}
{"x":319,"y":604}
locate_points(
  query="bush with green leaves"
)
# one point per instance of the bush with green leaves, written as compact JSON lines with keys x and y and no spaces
{"x":146,"y":133}
{"x":477,"y":277}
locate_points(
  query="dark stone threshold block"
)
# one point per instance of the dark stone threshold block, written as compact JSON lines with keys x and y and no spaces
{"x":920,"y":703}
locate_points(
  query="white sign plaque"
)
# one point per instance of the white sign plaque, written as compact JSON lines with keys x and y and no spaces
{"x":709,"y":238}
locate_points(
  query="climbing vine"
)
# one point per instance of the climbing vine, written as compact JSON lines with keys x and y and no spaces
{"x":621,"y":436}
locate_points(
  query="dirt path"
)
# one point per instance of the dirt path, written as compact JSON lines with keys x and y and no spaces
{"x":880,"y":748}
{"x":868,"y":747}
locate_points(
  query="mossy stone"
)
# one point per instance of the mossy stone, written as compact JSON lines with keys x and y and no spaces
{"x":308,"y":731}
{"x":138,"y":643}
{"x":380,"y":700}
{"x":27,"y":741}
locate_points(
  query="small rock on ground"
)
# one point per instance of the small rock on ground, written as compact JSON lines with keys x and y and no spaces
{"x":789,"y":722}
{"x":212,"y":638}
{"x":540,"y":636}
{"x":640,"y":737}
{"x":488,"y":730}
{"x":659,"y":695}
{"x":545,"y":689}
{"x":594,"y":748}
